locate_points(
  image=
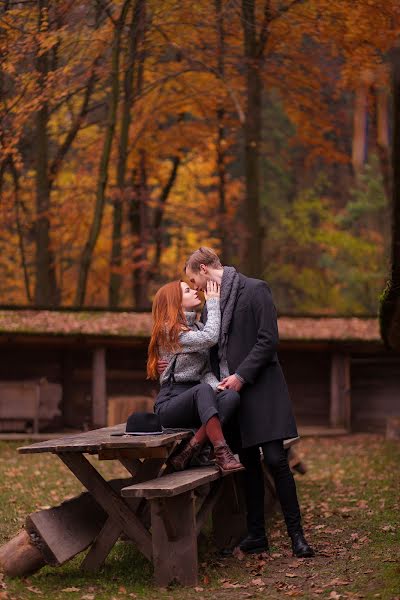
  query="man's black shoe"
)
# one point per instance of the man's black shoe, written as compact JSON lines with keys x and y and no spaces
{"x":254,"y":545}
{"x":300,"y":547}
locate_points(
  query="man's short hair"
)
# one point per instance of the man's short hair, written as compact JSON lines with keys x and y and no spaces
{"x":203,"y":256}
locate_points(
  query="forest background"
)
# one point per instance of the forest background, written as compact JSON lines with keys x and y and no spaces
{"x":133,"y":131}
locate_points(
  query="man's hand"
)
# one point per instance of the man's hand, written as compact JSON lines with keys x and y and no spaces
{"x":231,"y":383}
{"x":161,"y":366}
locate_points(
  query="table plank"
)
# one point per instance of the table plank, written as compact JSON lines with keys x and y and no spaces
{"x":93,"y":441}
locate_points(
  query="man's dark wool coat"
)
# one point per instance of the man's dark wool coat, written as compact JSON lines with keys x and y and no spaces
{"x":265,"y":412}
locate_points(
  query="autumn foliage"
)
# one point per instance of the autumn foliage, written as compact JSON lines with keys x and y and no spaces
{"x":132,"y":131}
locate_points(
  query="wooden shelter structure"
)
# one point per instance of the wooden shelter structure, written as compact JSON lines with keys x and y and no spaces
{"x":339,"y":372}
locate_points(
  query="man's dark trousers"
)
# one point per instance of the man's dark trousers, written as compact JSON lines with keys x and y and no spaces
{"x":275,"y":457}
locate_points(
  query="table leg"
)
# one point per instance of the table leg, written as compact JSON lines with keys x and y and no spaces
{"x":108,"y":536}
{"x":101,"y":546}
{"x":174,"y":534}
{"x":109,"y":500}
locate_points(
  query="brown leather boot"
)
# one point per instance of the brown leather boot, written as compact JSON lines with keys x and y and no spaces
{"x":224,"y":458}
{"x":182,"y":458}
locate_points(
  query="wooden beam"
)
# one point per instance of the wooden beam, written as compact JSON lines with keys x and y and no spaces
{"x":99,"y":393}
{"x":67,"y":408}
{"x":174,"y":540}
{"x":109,"y":500}
{"x":340,"y":400}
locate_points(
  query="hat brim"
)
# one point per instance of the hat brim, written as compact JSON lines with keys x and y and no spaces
{"x":144,"y":432}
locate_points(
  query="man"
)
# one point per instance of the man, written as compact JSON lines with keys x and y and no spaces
{"x":245,"y":360}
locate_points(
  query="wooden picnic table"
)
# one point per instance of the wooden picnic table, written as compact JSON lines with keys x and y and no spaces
{"x":160,"y":511}
{"x":179,"y":503}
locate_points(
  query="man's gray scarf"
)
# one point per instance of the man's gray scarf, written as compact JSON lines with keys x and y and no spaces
{"x":229,"y":289}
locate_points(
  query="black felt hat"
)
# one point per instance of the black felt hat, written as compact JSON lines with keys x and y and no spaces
{"x":143,"y":423}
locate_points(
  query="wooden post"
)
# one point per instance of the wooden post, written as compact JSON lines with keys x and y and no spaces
{"x":174,"y":539}
{"x":67,"y":408}
{"x":99,"y":393}
{"x":340,"y":401}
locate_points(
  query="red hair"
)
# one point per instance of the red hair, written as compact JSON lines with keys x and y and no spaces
{"x":168,"y":322}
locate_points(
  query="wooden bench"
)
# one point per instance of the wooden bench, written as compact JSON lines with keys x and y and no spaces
{"x":177,"y":517}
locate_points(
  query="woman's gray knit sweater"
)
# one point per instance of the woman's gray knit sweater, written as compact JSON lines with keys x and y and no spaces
{"x":193,"y":358}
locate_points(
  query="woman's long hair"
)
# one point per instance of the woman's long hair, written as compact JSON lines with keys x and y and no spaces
{"x":168,"y":322}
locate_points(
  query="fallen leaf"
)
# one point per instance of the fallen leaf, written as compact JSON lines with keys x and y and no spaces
{"x":237,"y":553}
{"x":257,"y":581}
{"x":230,"y":585}
{"x":34,"y":590}
{"x":198,"y":589}
{"x":87,"y":597}
{"x":70,"y":589}
{"x":388,"y":528}
{"x":291,"y":575}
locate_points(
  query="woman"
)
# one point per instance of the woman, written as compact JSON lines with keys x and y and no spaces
{"x":189,"y":396}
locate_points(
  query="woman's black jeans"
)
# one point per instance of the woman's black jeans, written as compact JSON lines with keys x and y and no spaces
{"x":188,"y":405}
{"x":275,"y":457}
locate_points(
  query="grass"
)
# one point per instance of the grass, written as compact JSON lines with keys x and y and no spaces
{"x":350,"y":504}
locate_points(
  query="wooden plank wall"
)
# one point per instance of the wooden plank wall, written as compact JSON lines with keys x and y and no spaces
{"x":375,"y":383}
{"x":307,"y":374}
{"x":375,"y":380}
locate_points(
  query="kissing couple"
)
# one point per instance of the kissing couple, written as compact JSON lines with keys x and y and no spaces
{"x":224,"y":370}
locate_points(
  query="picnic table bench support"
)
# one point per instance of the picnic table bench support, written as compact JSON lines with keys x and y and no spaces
{"x":109,"y":500}
{"x":111,"y":531}
{"x":174,"y":536}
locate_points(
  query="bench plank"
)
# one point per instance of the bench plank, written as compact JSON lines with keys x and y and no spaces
{"x":172,"y":484}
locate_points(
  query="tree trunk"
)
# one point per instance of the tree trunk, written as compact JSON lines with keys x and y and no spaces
{"x":396,"y":172}
{"x":20,"y":231}
{"x":359,"y":128}
{"x":138,"y":206}
{"x":220,"y":150}
{"x":252,"y":262}
{"x":136,"y":25}
{"x":46,"y":290}
{"x":159,"y":213}
{"x":138,"y":221}
{"x":390,"y":303}
{"x":382,"y":138}
{"x":87,"y":253}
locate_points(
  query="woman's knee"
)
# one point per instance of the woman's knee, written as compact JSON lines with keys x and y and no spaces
{"x":204,"y":388}
{"x":232,"y":397}
{"x":228,"y":403}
